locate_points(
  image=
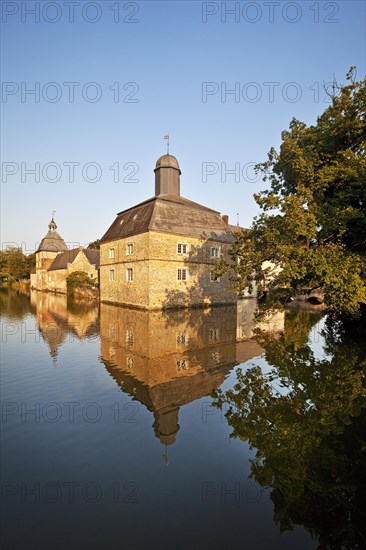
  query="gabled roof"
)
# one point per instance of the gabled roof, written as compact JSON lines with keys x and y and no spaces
{"x":169,"y":214}
{"x":61,"y":261}
{"x":52,"y":242}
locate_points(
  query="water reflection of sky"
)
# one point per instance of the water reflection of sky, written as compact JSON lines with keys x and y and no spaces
{"x":143,"y":432}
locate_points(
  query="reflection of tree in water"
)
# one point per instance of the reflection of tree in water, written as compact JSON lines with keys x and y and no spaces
{"x":306,"y":419}
{"x":14,"y":305}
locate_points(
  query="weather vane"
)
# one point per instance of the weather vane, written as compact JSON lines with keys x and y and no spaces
{"x":53,"y":213}
{"x":167,"y":145}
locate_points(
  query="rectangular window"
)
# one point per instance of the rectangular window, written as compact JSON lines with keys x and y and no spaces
{"x":129,"y":249}
{"x":129,"y":274}
{"x":215,"y":252}
{"x":182,"y":248}
{"x":182,"y":364}
{"x":182,"y":339}
{"x":213,"y":334}
{"x":91,"y":275}
{"x":111,"y":275}
{"x":214,"y":278}
{"x":111,"y":253}
{"x":182,"y":274}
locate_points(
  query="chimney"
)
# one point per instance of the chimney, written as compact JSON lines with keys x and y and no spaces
{"x":225,"y":219}
{"x":167,"y":176}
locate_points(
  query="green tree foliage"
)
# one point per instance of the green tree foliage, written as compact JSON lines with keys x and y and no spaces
{"x":306,"y":418}
{"x":79,"y":279}
{"x":15,"y":264}
{"x":94,"y":244}
{"x":313,"y":216}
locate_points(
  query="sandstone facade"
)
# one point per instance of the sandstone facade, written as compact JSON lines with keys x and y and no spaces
{"x":55,"y":262}
{"x":162,"y":253}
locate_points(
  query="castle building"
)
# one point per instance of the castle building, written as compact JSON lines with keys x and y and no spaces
{"x":55,"y":262}
{"x":162,"y":252}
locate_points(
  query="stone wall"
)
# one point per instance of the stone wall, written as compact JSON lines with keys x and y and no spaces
{"x":39,"y":280}
{"x":155,"y":263}
{"x":119,"y":290}
{"x":81,"y":263}
{"x":55,"y":280}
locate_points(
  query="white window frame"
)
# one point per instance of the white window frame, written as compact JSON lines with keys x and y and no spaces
{"x":129,"y":274}
{"x":215,"y":252}
{"x":182,"y":249}
{"x":130,"y":249}
{"x":180,"y":272}
{"x":214,"y":279}
{"x":112,"y":275}
{"x":112,"y":253}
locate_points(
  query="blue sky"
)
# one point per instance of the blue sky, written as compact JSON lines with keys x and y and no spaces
{"x":158,"y":56}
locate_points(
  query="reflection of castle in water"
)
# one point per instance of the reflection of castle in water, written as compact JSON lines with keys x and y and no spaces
{"x":163,"y":359}
{"x":59,"y":321}
{"x":166,"y":359}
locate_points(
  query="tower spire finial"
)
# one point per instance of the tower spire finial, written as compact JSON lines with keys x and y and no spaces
{"x":167,"y":145}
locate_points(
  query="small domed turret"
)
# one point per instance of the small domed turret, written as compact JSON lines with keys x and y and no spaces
{"x":168,"y":161}
{"x":167,"y":176}
{"x":52,"y":225}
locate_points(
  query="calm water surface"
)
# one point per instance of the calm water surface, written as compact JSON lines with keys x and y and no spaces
{"x":112,"y":437}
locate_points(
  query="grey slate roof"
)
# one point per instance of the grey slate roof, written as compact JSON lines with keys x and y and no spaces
{"x":170,"y":214}
{"x":167,"y":161}
{"x":61,"y":261}
{"x":52,"y":242}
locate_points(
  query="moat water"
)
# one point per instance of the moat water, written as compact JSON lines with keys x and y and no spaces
{"x":123,"y":429}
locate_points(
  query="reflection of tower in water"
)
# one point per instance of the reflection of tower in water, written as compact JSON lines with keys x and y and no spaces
{"x":59,"y":321}
{"x":167,"y":359}
{"x":166,"y":424}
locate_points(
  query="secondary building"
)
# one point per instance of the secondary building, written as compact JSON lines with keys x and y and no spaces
{"x":55,"y":262}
